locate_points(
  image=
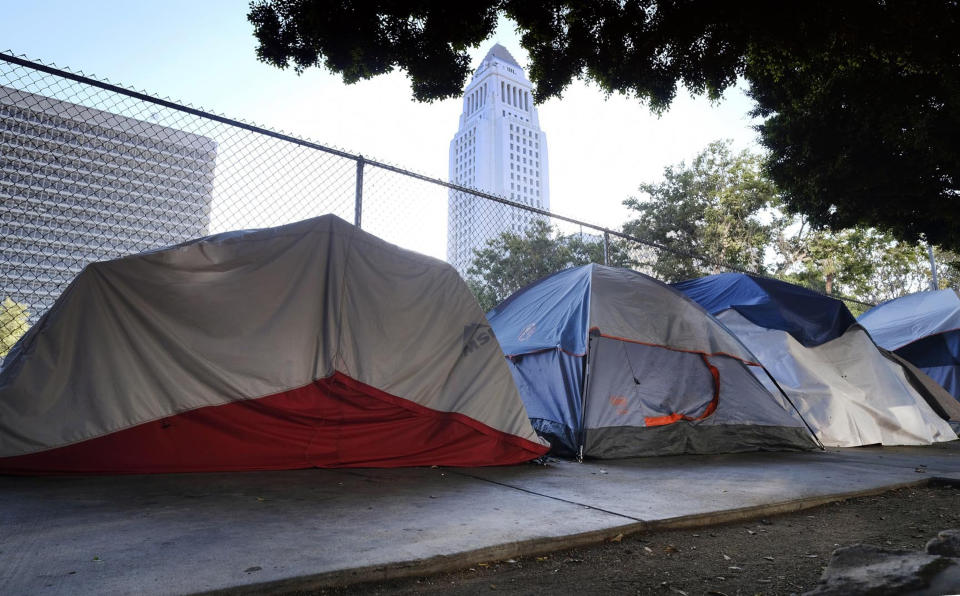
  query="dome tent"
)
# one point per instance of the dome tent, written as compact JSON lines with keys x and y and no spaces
{"x":310,"y":344}
{"x":924,"y":329}
{"x":849,"y":391}
{"x":612,"y":363}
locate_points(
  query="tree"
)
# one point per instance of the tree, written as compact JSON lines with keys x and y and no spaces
{"x":13,"y":324}
{"x":512,"y":261}
{"x":865,"y":134}
{"x":862,"y":263}
{"x":360,"y":40}
{"x":714,"y":208}
{"x":948,"y":268}
{"x":722,"y":210}
{"x":861,"y":99}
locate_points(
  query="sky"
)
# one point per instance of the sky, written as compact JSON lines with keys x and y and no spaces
{"x":203,"y":53}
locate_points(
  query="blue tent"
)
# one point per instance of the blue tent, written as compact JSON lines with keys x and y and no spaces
{"x":924,"y":329}
{"x":811,"y":318}
{"x":612,"y":363}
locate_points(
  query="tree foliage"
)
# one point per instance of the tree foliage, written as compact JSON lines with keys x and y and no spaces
{"x":948,"y":269}
{"x":710,"y":208}
{"x":512,"y":261}
{"x":13,"y":324}
{"x":862,"y":263}
{"x":722,"y":210}
{"x":862,"y":120}
{"x":360,"y":40}
{"x":861,"y":100}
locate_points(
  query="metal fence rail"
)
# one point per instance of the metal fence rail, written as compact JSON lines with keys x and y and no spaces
{"x":92,"y":171}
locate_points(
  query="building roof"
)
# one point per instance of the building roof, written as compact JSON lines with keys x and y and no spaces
{"x":501,"y":53}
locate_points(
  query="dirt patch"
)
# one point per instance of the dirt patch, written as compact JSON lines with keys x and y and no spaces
{"x":779,"y":555}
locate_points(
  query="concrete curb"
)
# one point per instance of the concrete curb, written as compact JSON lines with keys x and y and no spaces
{"x":545,"y":545}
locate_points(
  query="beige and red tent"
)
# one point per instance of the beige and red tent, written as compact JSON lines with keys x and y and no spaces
{"x":311,"y":344}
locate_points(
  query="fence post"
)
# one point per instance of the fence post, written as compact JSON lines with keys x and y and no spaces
{"x":606,"y":248}
{"x":358,"y":201}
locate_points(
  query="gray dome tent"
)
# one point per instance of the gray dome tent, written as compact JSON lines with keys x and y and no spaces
{"x":612,"y":363}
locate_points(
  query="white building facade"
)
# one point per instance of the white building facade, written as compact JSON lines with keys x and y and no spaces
{"x":499,"y":149}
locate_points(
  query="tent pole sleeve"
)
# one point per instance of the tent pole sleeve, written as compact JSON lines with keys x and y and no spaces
{"x":789,"y":401}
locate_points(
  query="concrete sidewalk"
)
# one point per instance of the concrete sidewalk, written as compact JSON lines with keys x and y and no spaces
{"x":269,"y":531}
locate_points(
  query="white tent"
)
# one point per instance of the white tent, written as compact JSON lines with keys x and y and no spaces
{"x":311,"y":344}
{"x":849,"y":392}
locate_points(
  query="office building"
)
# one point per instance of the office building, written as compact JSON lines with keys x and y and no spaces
{"x":79,"y":184}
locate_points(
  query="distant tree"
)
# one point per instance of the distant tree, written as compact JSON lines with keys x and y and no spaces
{"x":13,"y":324}
{"x":862,"y":263}
{"x":948,"y":269}
{"x":723,"y":207}
{"x":512,"y":261}
{"x":861,"y":100}
{"x":713,"y":207}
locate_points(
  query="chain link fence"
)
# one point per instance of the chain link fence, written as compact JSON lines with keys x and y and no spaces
{"x":91,"y":171}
